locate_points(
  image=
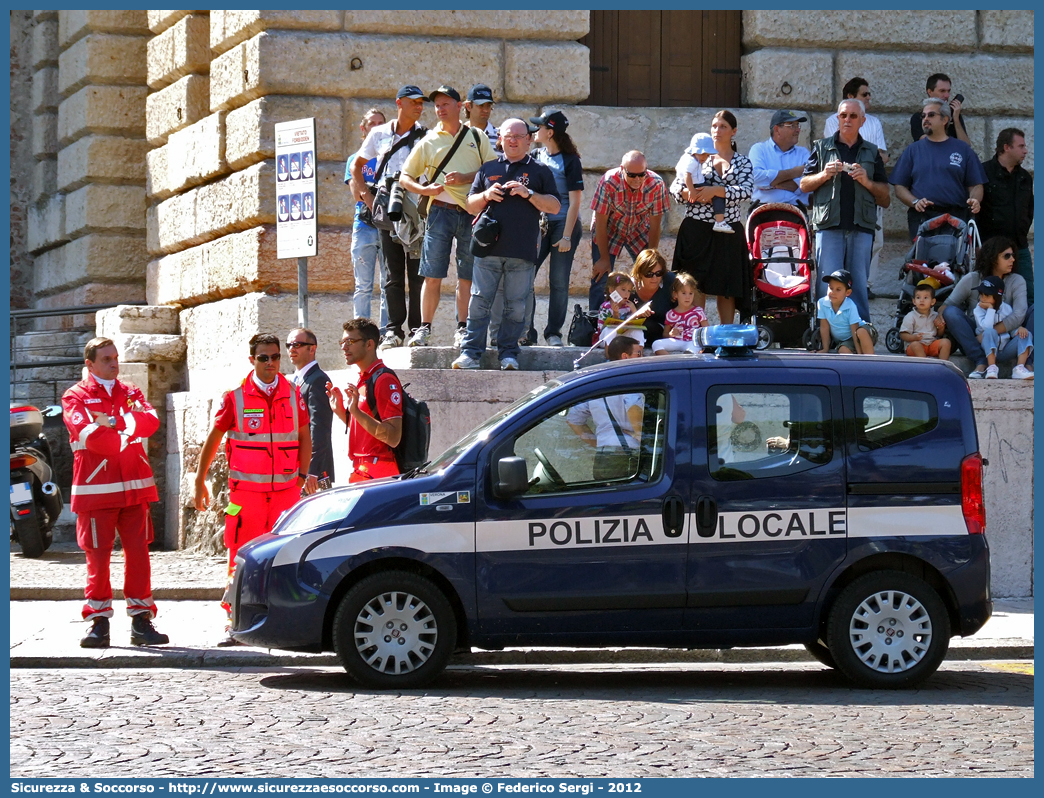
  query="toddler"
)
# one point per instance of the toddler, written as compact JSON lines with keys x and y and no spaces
{"x":682,"y":320}
{"x":690,"y":173}
{"x":839,"y":322}
{"x":617,"y":307}
{"x":922,"y":327}
{"x":991,"y":310}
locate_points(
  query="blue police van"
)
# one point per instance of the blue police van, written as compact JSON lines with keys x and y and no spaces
{"x":732,"y":498}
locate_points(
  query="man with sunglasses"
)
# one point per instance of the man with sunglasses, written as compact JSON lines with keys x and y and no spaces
{"x":846,"y":178}
{"x":628,"y":207}
{"x":938,"y":174}
{"x":269,"y":447}
{"x":310,"y":379}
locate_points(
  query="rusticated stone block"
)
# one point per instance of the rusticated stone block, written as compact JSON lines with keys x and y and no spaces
{"x":190,"y":157}
{"x":101,"y":208}
{"x":46,"y":224}
{"x":251,"y":129}
{"x":246,"y":262}
{"x":867,"y":30}
{"x":1007,"y":30}
{"x":45,"y":136}
{"x":217,"y":333}
{"x":90,"y":294}
{"x":139,"y":348}
{"x":334,"y":200}
{"x":95,"y":258}
{"x":159,"y":21}
{"x":102,"y":58}
{"x":180,"y":50}
{"x":75,"y":24}
{"x":229,"y":28}
{"x":318,"y":64}
{"x":107,"y":110}
{"x":181,"y":104}
{"x":138,"y":319}
{"x":45,"y":179}
{"x":565,"y":24}
{"x":768,"y":73}
{"x":990,"y":84}
{"x":541,"y":72}
{"x":41,"y":14}
{"x":45,"y":43}
{"x":45,"y":90}
{"x":103,"y":159}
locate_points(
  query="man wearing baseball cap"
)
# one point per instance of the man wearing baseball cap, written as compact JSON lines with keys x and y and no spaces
{"x":390,"y":143}
{"x":441,"y":168}
{"x":477,"y":110}
{"x":779,"y":161}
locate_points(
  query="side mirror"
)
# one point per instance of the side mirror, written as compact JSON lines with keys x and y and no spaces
{"x":513,"y":476}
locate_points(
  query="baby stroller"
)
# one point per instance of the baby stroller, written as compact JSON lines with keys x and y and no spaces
{"x":782,"y":302}
{"x":943,"y":251}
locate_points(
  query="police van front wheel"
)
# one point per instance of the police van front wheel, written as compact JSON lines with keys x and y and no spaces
{"x":394,"y":630}
{"x":888,"y":629}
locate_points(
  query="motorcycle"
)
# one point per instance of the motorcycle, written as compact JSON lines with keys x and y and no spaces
{"x":36,"y":501}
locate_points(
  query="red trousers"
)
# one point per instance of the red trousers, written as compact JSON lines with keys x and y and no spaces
{"x":96,"y":534}
{"x":371,"y":468}
{"x":258,"y":515}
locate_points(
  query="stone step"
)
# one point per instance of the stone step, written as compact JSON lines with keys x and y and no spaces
{"x":42,"y":345}
{"x":530,"y":358}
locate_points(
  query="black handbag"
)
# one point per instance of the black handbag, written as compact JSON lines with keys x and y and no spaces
{"x":379,"y":217}
{"x":581,"y":328}
{"x":485,"y":231}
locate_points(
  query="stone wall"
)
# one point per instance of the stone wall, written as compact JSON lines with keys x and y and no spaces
{"x":21,"y":154}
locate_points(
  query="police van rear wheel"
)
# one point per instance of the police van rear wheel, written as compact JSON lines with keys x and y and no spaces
{"x":888,"y":629}
{"x":394,"y":630}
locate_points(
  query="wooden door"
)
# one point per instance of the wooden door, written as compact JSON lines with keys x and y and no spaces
{"x":665,"y":58}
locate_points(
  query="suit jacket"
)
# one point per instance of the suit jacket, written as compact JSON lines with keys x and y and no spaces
{"x":313,"y":391}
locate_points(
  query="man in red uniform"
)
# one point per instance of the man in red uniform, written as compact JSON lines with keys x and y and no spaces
{"x":370,"y":442}
{"x":108,"y":424}
{"x":268,"y":449}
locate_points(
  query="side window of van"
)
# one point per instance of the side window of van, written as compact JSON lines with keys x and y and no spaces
{"x":761,"y":432}
{"x":885,"y":417}
{"x":613,"y":439}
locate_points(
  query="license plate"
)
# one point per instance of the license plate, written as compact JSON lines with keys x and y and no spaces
{"x":21,"y":493}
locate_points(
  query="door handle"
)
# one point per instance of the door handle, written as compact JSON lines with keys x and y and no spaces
{"x":706,"y":516}
{"x":673,"y":517}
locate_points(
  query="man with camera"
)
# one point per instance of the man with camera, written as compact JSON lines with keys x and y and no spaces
{"x":846,"y":178}
{"x":937,"y":174}
{"x":440,"y":169}
{"x":938,"y":87}
{"x":390,"y":144}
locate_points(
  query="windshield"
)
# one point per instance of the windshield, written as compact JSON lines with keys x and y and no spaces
{"x":321,"y":509}
{"x":481,"y":432}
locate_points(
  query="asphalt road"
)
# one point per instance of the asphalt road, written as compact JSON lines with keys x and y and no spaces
{"x":970,"y":719}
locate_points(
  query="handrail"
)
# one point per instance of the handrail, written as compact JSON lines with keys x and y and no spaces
{"x":75,"y":310}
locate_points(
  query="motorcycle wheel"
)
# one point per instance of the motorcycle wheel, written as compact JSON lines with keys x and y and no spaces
{"x":30,"y":537}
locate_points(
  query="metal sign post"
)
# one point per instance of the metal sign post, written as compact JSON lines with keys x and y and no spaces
{"x":297,"y":206}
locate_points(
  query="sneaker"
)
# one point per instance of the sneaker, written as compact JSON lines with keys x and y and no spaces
{"x":143,"y":633}
{"x":977,"y":374}
{"x":555,"y":340}
{"x":98,"y":637}
{"x":466,"y":362}
{"x":1020,"y":372}
{"x":992,"y":372}
{"x":722,"y":227}
{"x":509,"y":364}
{"x":421,"y":337}
{"x":458,"y":337}
{"x":389,"y":341}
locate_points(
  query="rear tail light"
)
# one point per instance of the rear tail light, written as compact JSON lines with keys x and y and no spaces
{"x":22,"y":460}
{"x":972,"y":504}
{"x":22,"y":409}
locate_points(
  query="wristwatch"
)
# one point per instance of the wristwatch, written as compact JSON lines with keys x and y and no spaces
{"x":112,"y":421}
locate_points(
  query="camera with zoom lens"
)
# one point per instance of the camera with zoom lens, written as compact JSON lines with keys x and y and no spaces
{"x":395,"y":196}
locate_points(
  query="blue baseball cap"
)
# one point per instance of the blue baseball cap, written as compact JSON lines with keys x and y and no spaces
{"x":480,"y":94}
{"x":841,"y":275}
{"x":412,"y":92}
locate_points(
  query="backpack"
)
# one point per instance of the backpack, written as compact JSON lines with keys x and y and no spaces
{"x":412,"y":451}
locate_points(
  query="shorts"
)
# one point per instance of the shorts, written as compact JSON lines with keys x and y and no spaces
{"x":836,"y":345}
{"x":932,"y":349}
{"x":443,"y":227}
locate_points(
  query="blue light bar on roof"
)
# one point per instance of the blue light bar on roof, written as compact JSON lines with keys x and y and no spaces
{"x":727,"y":335}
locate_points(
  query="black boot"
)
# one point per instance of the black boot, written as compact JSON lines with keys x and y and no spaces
{"x":98,"y":637}
{"x":143,"y":633}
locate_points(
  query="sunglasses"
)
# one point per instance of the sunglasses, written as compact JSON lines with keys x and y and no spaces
{"x":635,"y":175}
{"x":929,"y":115}
{"x":657,"y":275}
{"x":1008,"y":256}
{"x":296,"y":344}
{"x":351,"y":341}
{"x":266,"y":358}
{"x":848,"y":116}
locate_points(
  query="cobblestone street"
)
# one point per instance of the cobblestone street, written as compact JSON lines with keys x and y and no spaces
{"x":972,"y":719}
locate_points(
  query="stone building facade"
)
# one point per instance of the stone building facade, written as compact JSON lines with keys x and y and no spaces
{"x":142,"y":147}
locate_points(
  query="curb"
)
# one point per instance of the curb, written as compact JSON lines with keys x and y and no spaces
{"x":170,"y":657}
{"x":38,"y":593}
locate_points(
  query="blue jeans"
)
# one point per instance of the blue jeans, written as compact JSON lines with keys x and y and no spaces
{"x":596,"y":293}
{"x":517,"y":276}
{"x":560,"y":267}
{"x":366,"y":257}
{"x":1024,"y":266}
{"x":1010,"y":351}
{"x":845,"y":249}
{"x":962,"y":327}
{"x":445,"y":225}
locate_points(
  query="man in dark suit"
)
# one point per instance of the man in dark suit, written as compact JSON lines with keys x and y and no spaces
{"x":311,"y":380}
